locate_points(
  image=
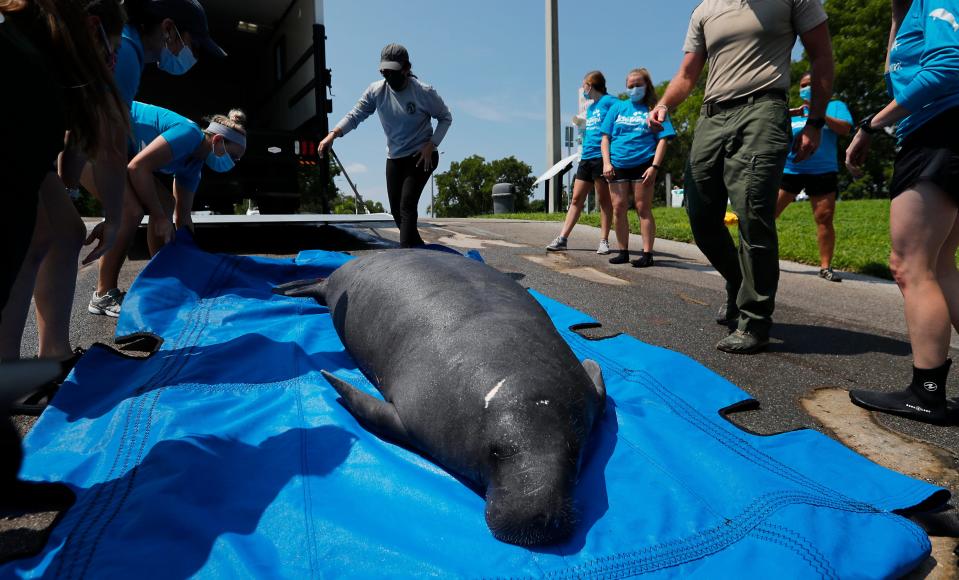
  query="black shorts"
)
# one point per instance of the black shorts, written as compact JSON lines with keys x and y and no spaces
{"x":931,"y":153}
{"x":590,"y":170}
{"x":630,"y":174}
{"x":820,"y":184}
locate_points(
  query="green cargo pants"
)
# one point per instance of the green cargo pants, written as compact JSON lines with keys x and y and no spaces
{"x":739,"y":154}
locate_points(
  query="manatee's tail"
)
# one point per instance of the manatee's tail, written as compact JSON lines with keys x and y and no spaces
{"x":314,"y":288}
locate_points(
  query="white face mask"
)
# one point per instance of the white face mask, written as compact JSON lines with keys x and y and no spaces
{"x":636,"y":94}
{"x":219,"y":163}
{"x":176,"y":64}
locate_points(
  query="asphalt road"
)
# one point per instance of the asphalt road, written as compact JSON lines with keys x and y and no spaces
{"x":846,"y":335}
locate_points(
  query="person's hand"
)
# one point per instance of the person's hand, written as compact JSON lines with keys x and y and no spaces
{"x":857,"y":152}
{"x":578,"y":121}
{"x":806,"y":143}
{"x":185,"y":221}
{"x":657,"y":117}
{"x":649,"y":176}
{"x":163,"y":228}
{"x":105,"y":234}
{"x":325,"y":144}
{"x":425,"y":156}
{"x":608,"y":171}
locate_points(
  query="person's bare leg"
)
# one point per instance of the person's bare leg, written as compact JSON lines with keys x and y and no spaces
{"x":921,"y":220}
{"x":782,"y":201}
{"x":112,"y":261}
{"x":580,"y":190}
{"x":823,"y":209}
{"x":155,"y":241}
{"x":643,"y":200}
{"x":947,"y":274}
{"x":57,"y":277}
{"x":605,"y":203}
{"x":620,"y":199}
{"x":18,"y":304}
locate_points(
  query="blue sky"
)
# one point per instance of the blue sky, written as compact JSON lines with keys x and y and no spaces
{"x":487,"y":60}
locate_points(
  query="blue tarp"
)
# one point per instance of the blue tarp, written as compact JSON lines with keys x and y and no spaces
{"x":226,"y":455}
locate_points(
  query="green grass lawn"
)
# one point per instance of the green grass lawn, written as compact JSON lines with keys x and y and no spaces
{"x":862,"y":233}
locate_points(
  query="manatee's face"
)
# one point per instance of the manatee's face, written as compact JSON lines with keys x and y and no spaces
{"x":535,"y":455}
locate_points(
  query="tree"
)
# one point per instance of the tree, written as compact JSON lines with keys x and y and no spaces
{"x":860,"y":31}
{"x":467,"y":188}
{"x":312,"y":191}
{"x":346,"y":204}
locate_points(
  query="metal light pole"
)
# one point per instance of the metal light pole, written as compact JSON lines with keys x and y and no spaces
{"x":554,"y":150}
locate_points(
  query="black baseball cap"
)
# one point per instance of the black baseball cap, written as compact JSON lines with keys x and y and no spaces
{"x":394,"y":57}
{"x":189,"y":16}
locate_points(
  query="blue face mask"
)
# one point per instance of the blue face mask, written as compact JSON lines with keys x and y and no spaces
{"x":220,"y":163}
{"x":805,"y":93}
{"x":586,"y":93}
{"x":636,"y":94}
{"x":176,"y":64}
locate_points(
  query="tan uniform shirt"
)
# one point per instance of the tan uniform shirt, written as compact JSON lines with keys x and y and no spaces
{"x":748,"y":43}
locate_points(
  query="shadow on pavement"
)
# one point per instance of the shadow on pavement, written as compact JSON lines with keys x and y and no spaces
{"x":810,"y":339}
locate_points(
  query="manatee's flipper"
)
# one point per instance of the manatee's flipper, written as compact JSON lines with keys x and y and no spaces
{"x":596,"y":374}
{"x":378,"y":416}
{"x":314,"y":288}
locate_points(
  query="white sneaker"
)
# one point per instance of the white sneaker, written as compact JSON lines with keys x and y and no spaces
{"x":107,"y":305}
{"x":557,"y":245}
{"x":603,"y":247}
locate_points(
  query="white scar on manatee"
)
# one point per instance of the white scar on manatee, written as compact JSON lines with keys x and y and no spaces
{"x":489,"y":396}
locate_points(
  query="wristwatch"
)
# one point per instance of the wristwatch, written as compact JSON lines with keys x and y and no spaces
{"x":866,"y":125}
{"x":817,"y":122}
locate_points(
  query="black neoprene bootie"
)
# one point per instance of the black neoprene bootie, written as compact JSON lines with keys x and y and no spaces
{"x":924,"y":400}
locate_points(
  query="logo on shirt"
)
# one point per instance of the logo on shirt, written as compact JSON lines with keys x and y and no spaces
{"x":945,"y":16}
{"x":637,"y":120}
{"x":411,"y":108}
{"x":595,"y":118}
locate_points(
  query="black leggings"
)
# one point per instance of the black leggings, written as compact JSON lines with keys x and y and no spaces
{"x":404,"y":184}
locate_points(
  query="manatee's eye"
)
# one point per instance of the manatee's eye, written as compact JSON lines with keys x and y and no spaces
{"x":500,"y":451}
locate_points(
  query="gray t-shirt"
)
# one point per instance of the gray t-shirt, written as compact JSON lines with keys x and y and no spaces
{"x":406,"y":116}
{"x":748,"y":43}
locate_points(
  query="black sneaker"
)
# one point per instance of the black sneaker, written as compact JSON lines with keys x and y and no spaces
{"x":621,"y":258}
{"x":923,"y":400}
{"x":645,"y":260}
{"x":743,"y":342}
{"x":828,"y":275}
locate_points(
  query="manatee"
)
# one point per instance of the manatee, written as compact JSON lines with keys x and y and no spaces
{"x":473,"y":375}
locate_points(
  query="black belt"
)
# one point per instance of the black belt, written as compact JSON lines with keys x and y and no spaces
{"x":710,"y":109}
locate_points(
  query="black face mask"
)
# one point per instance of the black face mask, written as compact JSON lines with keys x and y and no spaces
{"x":396,"y":80}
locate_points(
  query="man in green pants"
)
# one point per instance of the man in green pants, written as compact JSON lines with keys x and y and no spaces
{"x":742,"y":139}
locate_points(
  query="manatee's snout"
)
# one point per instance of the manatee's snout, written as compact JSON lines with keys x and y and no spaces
{"x":528,"y":511}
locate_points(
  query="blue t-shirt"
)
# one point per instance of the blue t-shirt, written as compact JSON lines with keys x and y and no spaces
{"x":130,"y":64}
{"x":631,"y":141}
{"x":825,"y":159}
{"x":182,"y":134}
{"x":592,"y":135}
{"x":924,"y":62}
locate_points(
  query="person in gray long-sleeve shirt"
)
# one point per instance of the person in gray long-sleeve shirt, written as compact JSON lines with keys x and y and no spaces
{"x":406,"y":108}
